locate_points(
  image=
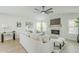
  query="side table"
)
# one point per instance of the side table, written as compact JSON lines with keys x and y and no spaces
{"x":2,"y":36}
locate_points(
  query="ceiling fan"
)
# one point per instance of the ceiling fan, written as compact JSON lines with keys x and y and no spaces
{"x":43,"y":10}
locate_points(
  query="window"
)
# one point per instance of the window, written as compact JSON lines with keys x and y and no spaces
{"x":72,"y":27}
{"x":41,"y":26}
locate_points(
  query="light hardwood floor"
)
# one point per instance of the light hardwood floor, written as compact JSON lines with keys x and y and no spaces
{"x":11,"y":46}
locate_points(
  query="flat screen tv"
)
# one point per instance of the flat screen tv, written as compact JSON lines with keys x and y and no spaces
{"x":56,"y":21}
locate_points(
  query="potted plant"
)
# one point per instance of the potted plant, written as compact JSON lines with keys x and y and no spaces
{"x":77,"y":25}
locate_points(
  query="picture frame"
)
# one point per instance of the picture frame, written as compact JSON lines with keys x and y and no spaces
{"x":56,"y":21}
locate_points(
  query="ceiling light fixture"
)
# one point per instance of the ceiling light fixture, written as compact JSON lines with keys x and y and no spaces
{"x":43,"y":10}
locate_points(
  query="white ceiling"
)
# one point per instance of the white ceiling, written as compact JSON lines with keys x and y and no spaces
{"x":26,"y":10}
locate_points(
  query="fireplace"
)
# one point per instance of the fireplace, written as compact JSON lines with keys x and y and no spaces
{"x":57,"y":32}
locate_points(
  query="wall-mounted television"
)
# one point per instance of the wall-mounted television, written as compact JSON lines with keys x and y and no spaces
{"x":56,"y":21}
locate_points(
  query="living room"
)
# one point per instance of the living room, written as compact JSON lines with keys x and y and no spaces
{"x":39,"y":29}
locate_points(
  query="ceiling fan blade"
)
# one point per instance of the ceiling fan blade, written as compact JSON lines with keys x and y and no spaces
{"x":49,"y":9}
{"x":48,"y":12}
{"x":36,"y":9}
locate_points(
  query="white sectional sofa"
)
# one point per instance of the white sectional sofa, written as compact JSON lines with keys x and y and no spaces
{"x":33,"y":43}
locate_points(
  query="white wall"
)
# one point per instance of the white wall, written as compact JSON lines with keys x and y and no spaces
{"x":65,"y":29}
{"x":64,"y":21}
{"x":11,"y":22}
{"x":7,"y":20}
{"x":64,"y":32}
